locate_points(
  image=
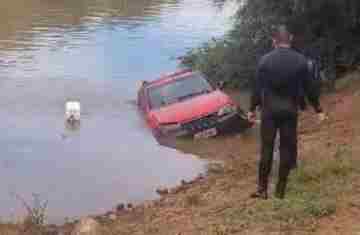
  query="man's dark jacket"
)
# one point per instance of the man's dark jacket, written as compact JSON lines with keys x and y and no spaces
{"x":282,"y":82}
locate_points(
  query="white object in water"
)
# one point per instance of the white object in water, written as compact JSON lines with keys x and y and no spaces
{"x":72,"y":111}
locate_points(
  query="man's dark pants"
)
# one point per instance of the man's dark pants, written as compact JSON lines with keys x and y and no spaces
{"x":286,"y":124}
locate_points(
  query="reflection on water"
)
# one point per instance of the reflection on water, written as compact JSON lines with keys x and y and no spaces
{"x":109,"y":39}
{"x":94,"y":51}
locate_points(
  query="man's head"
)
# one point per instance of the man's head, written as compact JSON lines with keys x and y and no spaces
{"x":281,"y":37}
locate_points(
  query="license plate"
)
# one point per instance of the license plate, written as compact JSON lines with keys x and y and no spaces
{"x":206,"y":134}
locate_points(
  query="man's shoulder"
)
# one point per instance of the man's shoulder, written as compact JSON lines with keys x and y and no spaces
{"x":289,"y":51}
{"x":265,"y":58}
{"x":290,"y":54}
{"x":298,"y":53}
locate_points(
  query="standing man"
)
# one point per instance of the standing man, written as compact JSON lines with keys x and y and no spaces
{"x":282,"y":81}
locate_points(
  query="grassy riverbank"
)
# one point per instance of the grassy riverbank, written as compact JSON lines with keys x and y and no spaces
{"x":323,"y":195}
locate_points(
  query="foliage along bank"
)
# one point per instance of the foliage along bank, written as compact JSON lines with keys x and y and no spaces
{"x":329,"y":29}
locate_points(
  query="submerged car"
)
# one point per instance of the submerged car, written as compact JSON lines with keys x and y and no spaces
{"x":184,"y":103}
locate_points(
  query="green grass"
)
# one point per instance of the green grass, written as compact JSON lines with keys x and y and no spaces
{"x":313,"y":192}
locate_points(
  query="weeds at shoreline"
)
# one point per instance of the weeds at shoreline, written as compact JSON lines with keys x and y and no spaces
{"x":35,"y":219}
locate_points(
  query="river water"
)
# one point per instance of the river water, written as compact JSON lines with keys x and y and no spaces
{"x":95,"y":51}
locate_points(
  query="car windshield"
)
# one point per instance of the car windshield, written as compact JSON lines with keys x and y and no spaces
{"x":178,"y":90}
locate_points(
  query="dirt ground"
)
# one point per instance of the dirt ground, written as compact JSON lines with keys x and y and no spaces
{"x":323,"y":195}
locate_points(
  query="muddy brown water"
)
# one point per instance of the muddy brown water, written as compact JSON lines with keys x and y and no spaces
{"x":96,"y":52}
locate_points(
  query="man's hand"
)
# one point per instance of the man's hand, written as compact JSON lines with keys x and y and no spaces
{"x":251,"y":116}
{"x":322,"y":116}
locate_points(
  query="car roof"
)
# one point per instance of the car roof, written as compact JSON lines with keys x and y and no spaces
{"x":169,"y":78}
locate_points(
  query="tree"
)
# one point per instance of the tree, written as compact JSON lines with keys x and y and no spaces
{"x":331,"y":26}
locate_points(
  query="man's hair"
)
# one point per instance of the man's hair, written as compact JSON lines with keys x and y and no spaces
{"x":281,"y":34}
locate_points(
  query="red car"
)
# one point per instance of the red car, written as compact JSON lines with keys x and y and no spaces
{"x":185,"y":104}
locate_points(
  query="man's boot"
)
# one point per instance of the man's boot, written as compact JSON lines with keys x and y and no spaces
{"x":280,"y":189}
{"x":262,"y":191}
{"x":260,"y":194}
